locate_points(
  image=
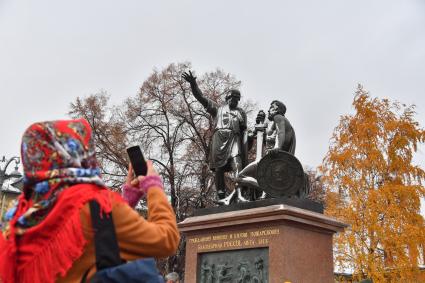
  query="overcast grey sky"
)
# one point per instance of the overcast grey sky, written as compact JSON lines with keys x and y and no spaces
{"x":309,"y":54}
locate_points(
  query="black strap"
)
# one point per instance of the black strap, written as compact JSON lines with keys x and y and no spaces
{"x":83,"y":280}
{"x":105,"y":240}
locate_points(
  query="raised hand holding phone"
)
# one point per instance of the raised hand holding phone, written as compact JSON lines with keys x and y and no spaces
{"x":132,"y":181}
{"x":137,"y":160}
{"x":138,"y":166}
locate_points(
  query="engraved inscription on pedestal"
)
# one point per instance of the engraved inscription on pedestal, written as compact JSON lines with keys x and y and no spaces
{"x":234,"y":266}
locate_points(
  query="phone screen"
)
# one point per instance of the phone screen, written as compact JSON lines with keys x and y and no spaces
{"x":137,"y":160}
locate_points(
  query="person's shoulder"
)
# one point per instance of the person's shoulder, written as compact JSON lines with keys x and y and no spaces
{"x":278,"y":118}
{"x":108,"y":193}
{"x":241,"y":110}
{"x":213,"y":105}
{"x":115,"y":197}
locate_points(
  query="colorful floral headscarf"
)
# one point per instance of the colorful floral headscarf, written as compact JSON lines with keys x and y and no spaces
{"x":55,"y":155}
{"x":60,"y":176}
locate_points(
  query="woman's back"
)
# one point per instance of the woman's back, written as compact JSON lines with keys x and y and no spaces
{"x":49,"y":236}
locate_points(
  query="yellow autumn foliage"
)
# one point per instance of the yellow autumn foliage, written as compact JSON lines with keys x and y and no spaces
{"x":372,"y":184}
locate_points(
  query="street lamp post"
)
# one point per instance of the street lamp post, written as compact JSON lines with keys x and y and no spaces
{"x":4,"y":176}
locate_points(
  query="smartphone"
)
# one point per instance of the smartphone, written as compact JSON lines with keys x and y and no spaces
{"x":137,"y":160}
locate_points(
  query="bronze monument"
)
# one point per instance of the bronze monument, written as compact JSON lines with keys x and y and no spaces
{"x":277,"y":174}
{"x":226,"y":148}
{"x":278,"y":236}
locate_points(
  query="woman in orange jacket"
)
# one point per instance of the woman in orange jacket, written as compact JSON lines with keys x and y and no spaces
{"x":48,"y":236}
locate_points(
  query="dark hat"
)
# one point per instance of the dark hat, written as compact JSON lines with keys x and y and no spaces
{"x":233,"y":92}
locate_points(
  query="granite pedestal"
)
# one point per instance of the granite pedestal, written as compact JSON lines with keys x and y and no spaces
{"x":272,"y":244}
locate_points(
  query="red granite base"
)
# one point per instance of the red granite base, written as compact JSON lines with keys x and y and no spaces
{"x":299,"y":242}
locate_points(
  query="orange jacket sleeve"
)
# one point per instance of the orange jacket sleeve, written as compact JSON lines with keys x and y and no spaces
{"x":157,"y":236}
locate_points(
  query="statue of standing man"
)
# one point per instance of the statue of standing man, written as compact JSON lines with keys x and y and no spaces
{"x":226,"y":148}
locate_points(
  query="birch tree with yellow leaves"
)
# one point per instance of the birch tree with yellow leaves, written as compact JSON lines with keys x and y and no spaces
{"x":373,"y":185}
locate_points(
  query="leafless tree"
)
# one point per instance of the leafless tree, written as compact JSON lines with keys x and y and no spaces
{"x":109,"y":135}
{"x":173,"y":129}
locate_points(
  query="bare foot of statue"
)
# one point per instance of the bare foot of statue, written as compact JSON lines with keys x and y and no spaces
{"x":235,"y":196}
{"x":227,"y":200}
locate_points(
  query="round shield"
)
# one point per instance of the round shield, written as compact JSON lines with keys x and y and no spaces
{"x":280,"y":174}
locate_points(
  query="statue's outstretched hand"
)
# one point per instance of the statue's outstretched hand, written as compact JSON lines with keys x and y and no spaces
{"x":188,"y":76}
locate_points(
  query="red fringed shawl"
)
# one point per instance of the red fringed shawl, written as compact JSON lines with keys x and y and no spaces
{"x":49,"y":249}
{"x":43,"y":233}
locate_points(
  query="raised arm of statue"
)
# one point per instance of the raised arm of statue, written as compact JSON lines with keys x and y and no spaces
{"x":208,"y":104}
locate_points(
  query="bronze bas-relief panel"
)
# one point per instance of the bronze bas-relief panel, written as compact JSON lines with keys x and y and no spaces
{"x":234,"y":266}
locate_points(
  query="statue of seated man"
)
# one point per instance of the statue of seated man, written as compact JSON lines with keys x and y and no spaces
{"x":280,"y":134}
